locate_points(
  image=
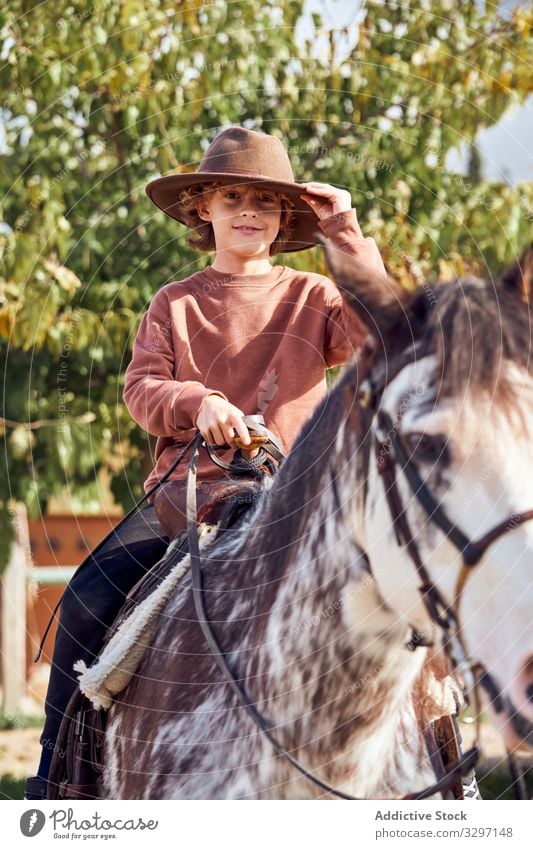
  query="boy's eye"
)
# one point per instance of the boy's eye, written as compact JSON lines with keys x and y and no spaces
{"x":263,"y":198}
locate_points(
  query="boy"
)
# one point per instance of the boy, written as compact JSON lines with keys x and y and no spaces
{"x":240,"y":337}
{"x":243,"y":336}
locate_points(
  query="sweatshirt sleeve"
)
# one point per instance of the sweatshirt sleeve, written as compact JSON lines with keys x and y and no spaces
{"x":345,"y":331}
{"x":344,"y":232}
{"x":160,"y":404}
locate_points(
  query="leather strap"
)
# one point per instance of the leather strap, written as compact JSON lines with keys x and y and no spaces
{"x":80,"y":791}
{"x":441,"y":785}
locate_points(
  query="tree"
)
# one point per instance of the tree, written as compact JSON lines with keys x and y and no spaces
{"x":475,"y":164}
{"x":101,"y":97}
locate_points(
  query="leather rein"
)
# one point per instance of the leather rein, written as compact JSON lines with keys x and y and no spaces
{"x":272,"y":447}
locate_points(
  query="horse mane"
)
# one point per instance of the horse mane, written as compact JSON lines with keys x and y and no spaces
{"x":475,"y":328}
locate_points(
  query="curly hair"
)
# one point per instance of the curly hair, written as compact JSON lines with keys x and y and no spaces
{"x":202,"y":237}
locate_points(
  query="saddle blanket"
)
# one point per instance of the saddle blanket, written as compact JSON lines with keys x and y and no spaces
{"x":112,"y":669}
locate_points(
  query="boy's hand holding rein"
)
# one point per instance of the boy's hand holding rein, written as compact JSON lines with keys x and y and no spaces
{"x":217,"y":420}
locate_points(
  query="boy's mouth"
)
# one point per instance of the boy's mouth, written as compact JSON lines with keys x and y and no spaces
{"x":247,"y":228}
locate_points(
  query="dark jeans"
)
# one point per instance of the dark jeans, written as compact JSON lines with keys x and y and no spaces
{"x":92,"y":599}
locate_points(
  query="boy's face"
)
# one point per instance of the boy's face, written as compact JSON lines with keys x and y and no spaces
{"x":245,"y":219}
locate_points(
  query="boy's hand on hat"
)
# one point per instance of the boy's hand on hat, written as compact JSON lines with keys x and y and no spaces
{"x":220,"y":422}
{"x":326,"y":200}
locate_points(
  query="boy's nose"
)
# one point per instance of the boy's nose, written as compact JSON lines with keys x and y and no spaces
{"x":248,"y":213}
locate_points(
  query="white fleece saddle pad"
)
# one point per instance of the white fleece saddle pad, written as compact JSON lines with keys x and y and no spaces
{"x":113,"y":668}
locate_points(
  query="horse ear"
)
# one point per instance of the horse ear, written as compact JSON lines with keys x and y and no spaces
{"x":518,"y":278}
{"x":379,"y":301}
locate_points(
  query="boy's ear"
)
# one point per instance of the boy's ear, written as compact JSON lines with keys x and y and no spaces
{"x":203,"y":211}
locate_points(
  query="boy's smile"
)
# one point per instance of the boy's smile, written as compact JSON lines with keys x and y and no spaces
{"x":250,"y":229}
{"x":245,"y":220}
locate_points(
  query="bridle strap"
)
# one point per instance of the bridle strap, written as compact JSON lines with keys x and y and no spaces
{"x":463,"y":765}
{"x":443,"y":615}
{"x":436,"y":607}
{"x":480,"y":546}
{"x":472,"y":551}
{"x":211,"y":638}
{"x":272,"y":447}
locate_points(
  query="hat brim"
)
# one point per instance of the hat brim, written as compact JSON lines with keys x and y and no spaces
{"x":164,"y":193}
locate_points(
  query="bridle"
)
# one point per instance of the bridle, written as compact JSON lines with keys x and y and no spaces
{"x":461,"y":767}
{"x":471,"y":550}
{"x":391,"y":455}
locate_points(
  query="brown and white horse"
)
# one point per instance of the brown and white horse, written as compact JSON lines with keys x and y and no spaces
{"x":314,"y":598}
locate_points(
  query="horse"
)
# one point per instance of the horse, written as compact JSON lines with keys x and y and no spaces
{"x":332,"y":596}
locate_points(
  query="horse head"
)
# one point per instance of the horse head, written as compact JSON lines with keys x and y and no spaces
{"x":445,"y":413}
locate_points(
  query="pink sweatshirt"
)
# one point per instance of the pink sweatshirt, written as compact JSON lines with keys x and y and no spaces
{"x":261,"y":341}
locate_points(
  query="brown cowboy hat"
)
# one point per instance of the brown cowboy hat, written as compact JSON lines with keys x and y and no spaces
{"x":238,"y":155}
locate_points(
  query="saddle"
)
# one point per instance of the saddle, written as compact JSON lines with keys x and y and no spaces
{"x":75,"y":772}
{"x":215,"y":498}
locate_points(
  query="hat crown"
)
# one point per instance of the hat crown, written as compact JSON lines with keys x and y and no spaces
{"x":237,"y":150}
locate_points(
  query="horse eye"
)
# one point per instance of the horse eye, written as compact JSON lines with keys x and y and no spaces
{"x":427,"y":448}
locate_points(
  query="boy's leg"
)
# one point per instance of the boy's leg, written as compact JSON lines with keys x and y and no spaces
{"x":92,"y":599}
